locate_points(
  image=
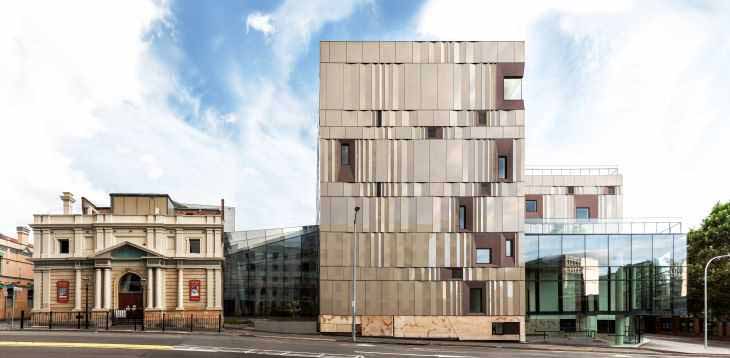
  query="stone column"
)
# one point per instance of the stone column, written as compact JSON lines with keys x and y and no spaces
{"x":158,"y":284}
{"x":150,"y":289}
{"x":180,"y":303}
{"x":77,"y":291}
{"x":107,"y":288}
{"x":97,"y":290}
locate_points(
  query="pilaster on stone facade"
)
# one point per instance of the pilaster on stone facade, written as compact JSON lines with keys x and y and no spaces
{"x":46,"y":290}
{"x":97,"y":289}
{"x":150,"y":289}
{"x":78,"y":242}
{"x":107,"y":288}
{"x":77,"y":292}
{"x":179,"y":243}
{"x":180,"y":302}
{"x":218,"y":289}
{"x":37,"y":282}
{"x":159,"y":288}
{"x":99,"y":238}
{"x":208,"y":289}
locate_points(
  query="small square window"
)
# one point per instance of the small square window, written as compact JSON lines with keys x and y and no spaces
{"x":486,"y":189}
{"x":476,"y":297}
{"x":433,"y":133}
{"x":531,"y":206}
{"x":63,"y":246}
{"x":571,"y":190}
{"x":611,"y":190}
{"x":509,"y":247}
{"x":482,"y":118}
{"x":502,"y":167}
{"x":194,"y":246}
{"x":484,"y":256}
{"x":582,"y":213}
{"x":378,"y":118}
{"x":345,"y":154}
{"x":502,"y":328}
{"x":512,"y":88}
{"x":457,"y":273}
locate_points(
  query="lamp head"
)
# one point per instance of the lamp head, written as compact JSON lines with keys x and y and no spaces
{"x":357,"y":208}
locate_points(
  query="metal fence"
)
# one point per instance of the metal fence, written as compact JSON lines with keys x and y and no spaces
{"x":139,"y":320}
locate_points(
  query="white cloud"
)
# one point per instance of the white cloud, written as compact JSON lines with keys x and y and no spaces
{"x":642,"y":85}
{"x":259,"y":22}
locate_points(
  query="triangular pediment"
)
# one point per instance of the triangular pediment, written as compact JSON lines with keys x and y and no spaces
{"x":126,"y":250}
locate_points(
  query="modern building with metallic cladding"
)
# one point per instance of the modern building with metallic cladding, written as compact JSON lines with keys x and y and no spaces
{"x":272,"y":272}
{"x":428,"y":139}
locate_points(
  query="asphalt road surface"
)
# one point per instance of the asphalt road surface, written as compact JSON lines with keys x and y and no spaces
{"x":92,"y":345}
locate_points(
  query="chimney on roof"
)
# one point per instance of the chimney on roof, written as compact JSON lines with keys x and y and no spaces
{"x":23,"y":233}
{"x":68,"y":200}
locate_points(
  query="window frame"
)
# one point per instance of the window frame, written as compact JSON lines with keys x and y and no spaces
{"x":476,"y":258}
{"x":462,"y":217}
{"x":345,"y":159}
{"x":509,"y":247}
{"x":481,"y":300}
{"x":502,"y":175}
{"x":60,"y":246}
{"x":190,"y":246}
{"x":505,"y":80}
{"x":587,"y":210}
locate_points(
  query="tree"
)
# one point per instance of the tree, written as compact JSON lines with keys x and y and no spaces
{"x":710,"y":240}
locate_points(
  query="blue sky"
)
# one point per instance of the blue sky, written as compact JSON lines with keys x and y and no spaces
{"x":219,"y":100}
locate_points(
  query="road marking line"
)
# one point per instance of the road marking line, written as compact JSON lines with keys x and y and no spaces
{"x":86,"y":345}
{"x":415,"y":355}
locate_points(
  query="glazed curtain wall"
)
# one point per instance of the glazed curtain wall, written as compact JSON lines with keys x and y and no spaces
{"x":635,"y":274}
{"x":275,"y":278}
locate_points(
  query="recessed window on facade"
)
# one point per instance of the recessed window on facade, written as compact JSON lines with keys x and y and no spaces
{"x":582,"y":213}
{"x":512,"y":89}
{"x":531,"y":206}
{"x":484,"y":256}
{"x":475,"y":300}
{"x":509,"y":247}
{"x":345,"y":154}
{"x":63,"y":247}
{"x":502,"y":167}
{"x":194,"y":246}
{"x":462,"y":217}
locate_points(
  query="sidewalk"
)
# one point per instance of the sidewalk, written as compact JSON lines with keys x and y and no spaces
{"x":658,"y":346}
{"x":686,"y":345}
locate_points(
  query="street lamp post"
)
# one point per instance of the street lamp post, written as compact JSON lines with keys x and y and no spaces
{"x":706,"y":267}
{"x":354,"y":277}
{"x":86,"y":309}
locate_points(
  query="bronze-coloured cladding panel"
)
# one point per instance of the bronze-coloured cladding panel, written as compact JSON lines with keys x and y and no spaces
{"x":466,"y":297}
{"x":508,"y":70}
{"x":468,"y":204}
{"x":504,"y":149}
{"x":497,"y":242}
{"x":535,"y":214}
{"x":588,"y":201}
{"x":345,"y":173}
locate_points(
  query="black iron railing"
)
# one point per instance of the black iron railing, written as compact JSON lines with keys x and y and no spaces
{"x":136,"y":320}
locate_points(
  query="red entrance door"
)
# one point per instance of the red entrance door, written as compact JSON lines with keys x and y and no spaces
{"x":130,"y":292}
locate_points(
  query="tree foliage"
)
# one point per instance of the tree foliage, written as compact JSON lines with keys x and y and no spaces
{"x":710,"y":240}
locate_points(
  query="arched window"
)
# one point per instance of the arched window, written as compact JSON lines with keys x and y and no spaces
{"x":130,"y":283}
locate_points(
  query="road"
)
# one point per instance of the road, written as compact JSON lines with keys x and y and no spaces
{"x":91,"y":345}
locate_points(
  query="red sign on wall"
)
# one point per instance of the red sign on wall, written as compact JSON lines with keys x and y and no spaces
{"x":194,"y":290}
{"x":62,"y":291}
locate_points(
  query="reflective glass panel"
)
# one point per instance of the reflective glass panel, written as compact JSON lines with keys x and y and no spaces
{"x":596,"y":250}
{"x":619,"y":250}
{"x":582,"y":213}
{"x":574,"y":246}
{"x":641,"y":249}
{"x":512,"y":89}
{"x":548,"y":296}
{"x":680,"y":249}
{"x":529,"y":249}
{"x":502,"y":167}
{"x":662,"y":248}
{"x":550,"y":250}
{"x":484,"y":256}
{"x":531,"y":206}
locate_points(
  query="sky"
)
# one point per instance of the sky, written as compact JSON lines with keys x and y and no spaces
{"x":211,"y":100}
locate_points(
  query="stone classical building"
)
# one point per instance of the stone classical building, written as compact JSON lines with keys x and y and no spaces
{"x":16,"y":274}
{"x":427,"y":138}
{"x":144,"y":250}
